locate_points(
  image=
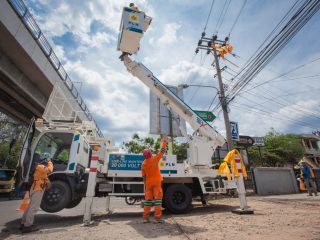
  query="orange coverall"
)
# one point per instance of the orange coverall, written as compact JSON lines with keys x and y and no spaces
{"x":41,"y":176}
{"x":36,"y":193}
{"x":223,"y":50}
{"x":153,"y":190}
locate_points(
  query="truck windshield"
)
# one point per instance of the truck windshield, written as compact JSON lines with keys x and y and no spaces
{"x":57,"y":144}
{"x":6,"y":175}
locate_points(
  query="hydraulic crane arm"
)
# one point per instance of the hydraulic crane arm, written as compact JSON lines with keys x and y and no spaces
{"x":172,"y":102}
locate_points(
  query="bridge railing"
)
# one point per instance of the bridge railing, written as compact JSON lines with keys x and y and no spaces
{"x":23,"y":13}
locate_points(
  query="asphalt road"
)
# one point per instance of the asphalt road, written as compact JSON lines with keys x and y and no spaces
{"x":293,"y":217}
{"x":11,"y":218}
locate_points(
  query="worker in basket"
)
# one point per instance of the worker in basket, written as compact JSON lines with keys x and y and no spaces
{"x":153,"y":180}
{"x":39,"y":185}
{"x":133,"y":6}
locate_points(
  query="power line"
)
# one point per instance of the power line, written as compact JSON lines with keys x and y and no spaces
{"x":220,"y":16}
{"x":267,"y":114}
{"x":269,"y":36}
{"x":214,"y":98}
{"x":268,"y":111}
{"x":197,"y":89}
{"x":297,"y":21}
{"x":237,"y":18}
{"x":284,"y":74}
{"x":224,"y":14}
{"x":205,"y":27}
{"x":273,"y":99}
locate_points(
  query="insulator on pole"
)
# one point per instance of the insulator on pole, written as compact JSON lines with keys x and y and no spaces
{"x":208,"y":51}
{"x":214,"y":37}
{"x":209,"y":44}
{"x":203,"y":34}
{"x":197,"y":50}
{"x":200,"y":42}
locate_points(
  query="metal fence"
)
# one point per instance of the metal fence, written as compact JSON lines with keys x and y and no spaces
{"x":249,"y":182}
{"x":23,"y":13}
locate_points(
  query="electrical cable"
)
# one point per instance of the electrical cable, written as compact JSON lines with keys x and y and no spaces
{"x":272,"y":49}
{"x":205,"y":27}
{"x":268,"y":111}
{"x":197,"y":88}
{"x":284,"y":74}
{"x":269,"y":35}
{"x":273,"y":99}
{"x":237,"y":18}
{"x":224,"y":5}
{"x":224,"y":14}
{"x":253,"y":110}
{"x":214,"y":98}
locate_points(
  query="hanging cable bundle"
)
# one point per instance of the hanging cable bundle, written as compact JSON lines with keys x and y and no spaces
{"x":258,"y":61}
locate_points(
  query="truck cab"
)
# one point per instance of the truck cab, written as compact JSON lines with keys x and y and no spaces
{"x":70,"y":153}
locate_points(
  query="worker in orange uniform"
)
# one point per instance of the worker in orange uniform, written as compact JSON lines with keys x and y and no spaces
{"x":153,"y":179}
{"x":39,"y":185}
{"x":223,"y":49}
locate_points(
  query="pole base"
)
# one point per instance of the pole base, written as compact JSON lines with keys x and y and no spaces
{"x":242,"y":211}
{"x":87,"y":224}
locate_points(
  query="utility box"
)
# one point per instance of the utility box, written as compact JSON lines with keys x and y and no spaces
{"x":133,"y":24}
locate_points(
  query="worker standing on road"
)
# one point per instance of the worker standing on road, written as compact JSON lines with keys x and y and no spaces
{"x":153,"y":180}
{"x":39,"y":185}
{"x":307,"y":176}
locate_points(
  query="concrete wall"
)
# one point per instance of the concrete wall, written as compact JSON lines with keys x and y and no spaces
{"x":269,"y":181}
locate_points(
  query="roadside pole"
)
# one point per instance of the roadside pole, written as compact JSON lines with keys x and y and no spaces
{"x":208,"y":45}
{"x":241,"y":189}
{"x":90,"y":191}
{"x":223,"y":101}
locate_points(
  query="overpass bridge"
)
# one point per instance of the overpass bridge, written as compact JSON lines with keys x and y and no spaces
{"x":29,"y":68}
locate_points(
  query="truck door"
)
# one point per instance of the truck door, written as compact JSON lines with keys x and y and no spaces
{"x":24,"y":163}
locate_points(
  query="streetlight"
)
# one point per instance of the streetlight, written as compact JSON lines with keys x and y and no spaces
{"x":196,"y":85}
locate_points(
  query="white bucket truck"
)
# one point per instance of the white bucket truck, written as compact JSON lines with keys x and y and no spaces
{"x":76,"y":147}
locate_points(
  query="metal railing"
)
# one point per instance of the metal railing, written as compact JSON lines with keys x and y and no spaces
{"x":23,"y":13}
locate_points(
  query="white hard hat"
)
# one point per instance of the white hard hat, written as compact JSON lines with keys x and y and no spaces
{"x":46,"y":155}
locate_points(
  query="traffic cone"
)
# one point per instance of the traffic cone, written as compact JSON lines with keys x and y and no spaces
{"x":302,"y":186}
{"x":25,"y":202}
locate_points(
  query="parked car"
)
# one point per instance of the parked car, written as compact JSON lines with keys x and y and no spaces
{"x":7,"y":181}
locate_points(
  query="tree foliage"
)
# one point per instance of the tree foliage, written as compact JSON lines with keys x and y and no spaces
{"x":11,"y":137}
{"x":279,"y":150}
{"x":137,"y":144}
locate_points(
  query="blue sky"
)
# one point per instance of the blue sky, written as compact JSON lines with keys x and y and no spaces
{"x":84,"y":36}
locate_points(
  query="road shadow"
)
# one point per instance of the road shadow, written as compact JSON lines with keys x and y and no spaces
{"x":153,"y":230}
{"x":57,"y":223}
{"x":211,"y":208}
{"x":48,"y":223}
{"x":169,"y":229}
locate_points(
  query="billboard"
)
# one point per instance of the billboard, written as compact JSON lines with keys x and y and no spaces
{"x":161,"y":119}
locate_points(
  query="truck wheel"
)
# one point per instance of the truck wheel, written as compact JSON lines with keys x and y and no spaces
{"x":74,"y":203}
{"x":178,"y":198}
{"x":57,"y":197}
{"x":130,"y":200}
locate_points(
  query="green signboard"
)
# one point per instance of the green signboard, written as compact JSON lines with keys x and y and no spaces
{"x":206,"y":115}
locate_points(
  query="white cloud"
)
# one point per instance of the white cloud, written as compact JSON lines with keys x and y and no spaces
{"x":169,"y":35}
{"x":121,"y":102}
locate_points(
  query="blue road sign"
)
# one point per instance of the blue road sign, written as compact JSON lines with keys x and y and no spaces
{"x":234,"y":131}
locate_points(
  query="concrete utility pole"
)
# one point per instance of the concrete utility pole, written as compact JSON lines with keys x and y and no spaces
{"x":223,"y":101}
{"x":206,"y":44}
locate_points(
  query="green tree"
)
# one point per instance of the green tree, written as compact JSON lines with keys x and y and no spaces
{"x":9,"y":131}
{"x":279,"y":149}
{"x":137,"y":144}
